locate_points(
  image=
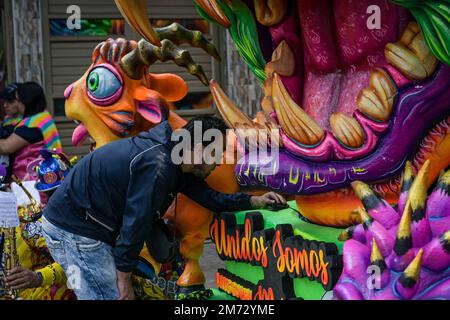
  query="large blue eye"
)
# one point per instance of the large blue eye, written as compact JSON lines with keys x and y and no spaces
{"x":103,"y":85}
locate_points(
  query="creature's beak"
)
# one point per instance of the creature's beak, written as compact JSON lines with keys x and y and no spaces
{"x":136,"y":14}
{"x":214,"y":11}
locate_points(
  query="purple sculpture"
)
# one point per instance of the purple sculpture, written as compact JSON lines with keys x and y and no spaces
{"x":403,"y":253}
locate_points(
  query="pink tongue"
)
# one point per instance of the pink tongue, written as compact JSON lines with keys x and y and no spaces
{"x":324,"y":94}
{"x":340,"y":50}
{"x":79,"y":135}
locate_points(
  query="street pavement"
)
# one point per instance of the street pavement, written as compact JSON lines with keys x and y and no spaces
{"x":210,"y":262}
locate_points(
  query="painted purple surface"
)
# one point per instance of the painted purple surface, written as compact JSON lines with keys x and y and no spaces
{"x":418,"y":108}
{"x":433,"y":281}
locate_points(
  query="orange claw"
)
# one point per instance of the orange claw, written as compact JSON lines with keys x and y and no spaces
{"x":136,"y":14}
{"x":213,"y":10}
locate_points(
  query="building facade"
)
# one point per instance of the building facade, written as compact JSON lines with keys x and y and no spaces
{"x":40,"y":43}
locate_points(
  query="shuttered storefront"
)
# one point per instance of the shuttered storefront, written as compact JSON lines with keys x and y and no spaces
{"x":68,"y":52}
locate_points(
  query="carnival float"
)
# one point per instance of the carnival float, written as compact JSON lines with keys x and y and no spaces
{"x":355,"y":107}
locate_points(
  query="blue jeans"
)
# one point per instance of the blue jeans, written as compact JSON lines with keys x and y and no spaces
{"x":88,"y":264}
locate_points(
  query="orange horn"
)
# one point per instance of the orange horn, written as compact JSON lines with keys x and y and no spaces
{"x":136,"y":14}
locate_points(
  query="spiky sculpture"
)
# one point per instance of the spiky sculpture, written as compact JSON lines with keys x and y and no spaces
{"x":411,"y":248}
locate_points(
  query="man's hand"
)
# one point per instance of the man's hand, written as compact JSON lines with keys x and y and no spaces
{"x":124,"y":285}
{"x":21,"y":278}
{"x":266,"y":199}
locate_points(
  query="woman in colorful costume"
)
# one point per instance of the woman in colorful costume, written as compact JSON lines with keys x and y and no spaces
{"x":39,"y":277}
{"x":36,"y":129}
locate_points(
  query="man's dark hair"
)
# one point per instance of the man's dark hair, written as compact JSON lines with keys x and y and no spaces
{"x":32,"y":96}
{"x":208,"y":122}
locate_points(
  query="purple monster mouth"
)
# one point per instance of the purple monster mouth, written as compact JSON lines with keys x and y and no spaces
{"x":420,"y":106}
{"x":352,"y":103}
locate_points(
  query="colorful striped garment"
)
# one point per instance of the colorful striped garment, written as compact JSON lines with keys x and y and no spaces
{"x":44,"y":122}
{"x":12,"y":121}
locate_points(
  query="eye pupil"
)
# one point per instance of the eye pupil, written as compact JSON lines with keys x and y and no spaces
{"x":93,"y":81}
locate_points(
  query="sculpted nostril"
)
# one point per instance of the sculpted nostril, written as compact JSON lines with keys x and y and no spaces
{"x":68,"y":91}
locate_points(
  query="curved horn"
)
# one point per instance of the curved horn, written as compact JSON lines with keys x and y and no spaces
{"x":135,"y":63}
{"x":136,"y":14}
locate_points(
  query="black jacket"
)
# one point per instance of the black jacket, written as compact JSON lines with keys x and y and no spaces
{"x":116,"y":193}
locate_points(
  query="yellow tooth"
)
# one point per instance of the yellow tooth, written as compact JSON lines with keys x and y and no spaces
{"x":270,"y":12}
{"x":384,"y":87}
{"x":419,"y":47}
{"x":283,"y":61}
{"x":377,"y":99}
{"x":228,"y":110}
{"x":411,"y":54}
{"x":405,"y":60}
{"x":347,"y":130}
{"x":294,"y":120}
{"x":369,"y":104}
{"x":412,"y":29}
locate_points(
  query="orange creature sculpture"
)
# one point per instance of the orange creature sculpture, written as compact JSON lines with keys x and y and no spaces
{"x":118,"y":98}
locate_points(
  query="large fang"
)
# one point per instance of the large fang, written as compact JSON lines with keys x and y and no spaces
{"x":228,"y":110}
{"x":283,"y":61}
{"x":136,"y":14}
{"x":377,"y":99}
{"x":270,"y":12}
{"x":411,"y":54}
{"x":294,"y":120}
{"x":347,"y":130}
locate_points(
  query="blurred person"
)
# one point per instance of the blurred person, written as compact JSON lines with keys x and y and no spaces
{"x":36,"y":129}
{"x":39,"y":277}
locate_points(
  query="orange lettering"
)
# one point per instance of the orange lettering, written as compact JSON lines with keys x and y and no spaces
{"x":289,"y":256}
{"x":324,"y":277}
